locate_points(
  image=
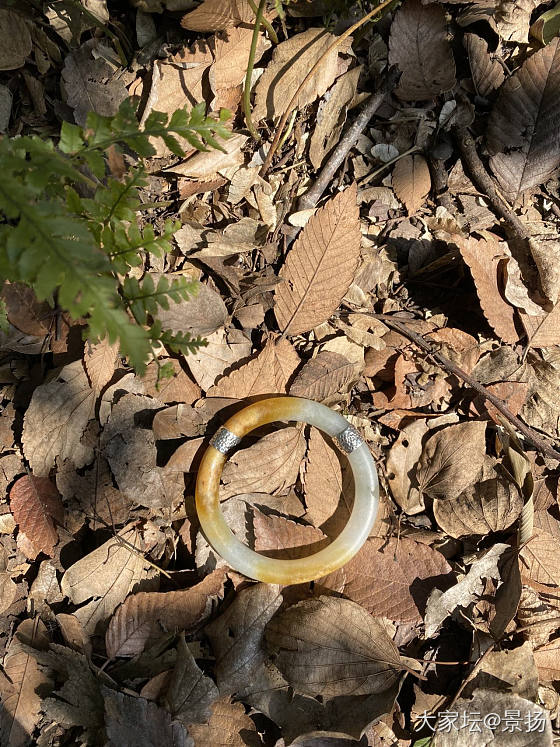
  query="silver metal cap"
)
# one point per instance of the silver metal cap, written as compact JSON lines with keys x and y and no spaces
{"x":224,"y":440}
{"x":349,"y":440}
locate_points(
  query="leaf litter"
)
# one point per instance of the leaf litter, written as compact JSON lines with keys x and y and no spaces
{"x":420,"y":299}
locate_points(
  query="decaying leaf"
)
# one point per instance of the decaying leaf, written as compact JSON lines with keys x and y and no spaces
{"x":278,"y":537}
{"x":218,"y":15}
{"x":487,"y":73}
{"x":393,"y":578}
{"x":401,"y":466}
{"x":200,"y":315}
{"x":320,"y":266}
{"x":522,"y":135}
{"x":540,"y":560}
{"x":99,"y":361}
{"x":323,"y":480}
{"x":190,"y":694}
{"x":228,"y":726}
{"x":16,"y":42}
{"x":207,"y":164}
{"x":291,"y":61}
{"x":419,"y":47}
{"x":411,"y":181}
{"x":452,"y":459}
{"x":222,"y":352}
{"x":324,"y":376}
{"x":56,"y":419}
{"x":330,"y":647}
{"x":36,"y":506}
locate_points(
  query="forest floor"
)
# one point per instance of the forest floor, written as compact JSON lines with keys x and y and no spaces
{"x":411,"y":284}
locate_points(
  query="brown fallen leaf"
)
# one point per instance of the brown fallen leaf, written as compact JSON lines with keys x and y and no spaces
{"x":200,"y":315}
{"x":418,"y":46}
{"x":401,"y":467}
{"x":411,"y":181}
{"x":489,"y":506}
{"x":100,"y":360}
{"x":323,"y":480}
{"x":205,"y":165}
{"x":324,"y":376}
{"x":36,"y":506}
{"x":218,"y":15}
{"x":329,"y":647}
{"x":266,"y":373}
{"x":393,"y":578}
{"x":177,"y":388}
{"x":139,"y":621}
{"x":513,"y":19}
{"x":15,"y":40}
{"x":107,"y":574}
{"x":291,"y":61}
{"x":320,"y":266}
{"x":487,"y":73}
{"x":542,"y":331}
{"x":540,"y":561}
{"x":231,"y":56}
{"x":522,"y":136}
{"x":279,"y":537}
{"x":191,"y":693}
{"x":281,"y":451}
{"x":21,"y":676}
{"x":221,"y":352}
{"x":228,"y":726}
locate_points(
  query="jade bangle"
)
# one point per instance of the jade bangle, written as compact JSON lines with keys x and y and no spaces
{"x":366,"y":495}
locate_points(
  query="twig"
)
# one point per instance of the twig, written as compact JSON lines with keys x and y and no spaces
{"x":336,"y":43}
{"x":346,"y":143}
{"x":531,"y":436}
{"x":249,"y":74}
{"x":266,"y":23}
{"x":438,"y":173}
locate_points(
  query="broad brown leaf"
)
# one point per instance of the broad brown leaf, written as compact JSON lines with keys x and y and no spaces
{"x":418,"y":46}
{"x":218,"y":15}
{"x":411,"y":181}
{"x":137,"y":623}
{"x":279,"y":537}
{"x":401,"y":467}
{"x":324,"y":376}
{"x":323,"y":480}
{"x":329,"y":647}
{"x":231,"y":55}
{"x":393,"y":578}
{"x":191,"y":693}
{"x":522,"y":133}
{"x":543,"y":331}
{"x":489,"y":506}
{"x":452,"y":459}
{"x":36,"y":505}
{"x":210,"y":362}
{"x":266,"y":373}
{"x":320,"y":266}
{"x":228,"y":726}
{"x":281,"y":451}
{"x":540,"y":560}
{"x":487,"y":73}
{"x":99,"y":360}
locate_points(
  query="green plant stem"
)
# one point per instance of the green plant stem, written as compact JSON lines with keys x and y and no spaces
{"x":266,"y":23}
{"x":249,"y":74}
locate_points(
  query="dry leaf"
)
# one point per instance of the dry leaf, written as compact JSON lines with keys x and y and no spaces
{"x":522,"y":133}
{"x":218,"y":15}
{"x":20,"y":678}
{"x":487,"y":73}
{"x":324,"y":376}
{"x":237,"y":636}
{"x":56,"y":419}
{"x":281,"y":451}
{"x":323,"y":480}
{"x":100,"y":360}
{"x":266,"y":373}
{"x":513,"y":19}
{"x":543,"y":331}
{"x":140,"y":620}
{"x":15,"y":40}
{"x":278,"y":537}
{"x":228,"y":726}
{"x":489,"y":506}
{"x":107,"y":574}
{"x":45,"y":589}
{"x":329,"y":647}
{"x":401,"y":467}
{"x":291,"y":61}
{"x":36,"y":505}
{"x":483,"y":259}
{"x":411,"y":181}
{"x":205,"y":165}
{"x":178,"y":388}
{"x":540,"y":560}
{"x":231,"y":56}
{"x":452,"y":459}
{"x":190,"y":694}
{"x":418,"y":46}
{"x":221,"y":352}
{"x":393,"y":578}
{"x":320,"y":266}
{"x":201,"y":315}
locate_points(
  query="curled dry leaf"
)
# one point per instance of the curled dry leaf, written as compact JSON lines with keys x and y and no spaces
{"x":36,"y":506}
{"x":418,"y":46}
{"x":324,"y":376}
{"x":56,"y":419}
{"x":522,"y":134}
{"x":411,"y":181}
{"x":281,"y":451}
{"x":452,"y":459}
{"x":489,"y":506}
{"x":393,"y":578}
{"x":487,"y":73}
{"x":107,"y":574}
{"x":266,"y":373}
{"x":291,"y":61}
{"x":140,"y":620}
{"x":237,"y":636}
{"x":218,"y":15}
{"x":320,"y":266}
{"x":329,"y":647}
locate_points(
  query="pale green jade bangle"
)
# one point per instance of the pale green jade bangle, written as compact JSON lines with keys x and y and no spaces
{"x":366,"y":495}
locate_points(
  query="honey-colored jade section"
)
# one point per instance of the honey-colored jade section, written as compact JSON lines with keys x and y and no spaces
{"x":354,"y":534}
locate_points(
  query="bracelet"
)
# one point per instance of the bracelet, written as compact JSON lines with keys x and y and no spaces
{"x":366,"y":496}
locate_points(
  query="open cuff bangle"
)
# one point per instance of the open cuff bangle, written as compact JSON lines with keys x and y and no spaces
{"x":366,"y":495}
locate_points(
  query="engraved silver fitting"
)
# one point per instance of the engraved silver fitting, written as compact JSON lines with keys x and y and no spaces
{"x":348,"y":440}
{"x":224,"y":440}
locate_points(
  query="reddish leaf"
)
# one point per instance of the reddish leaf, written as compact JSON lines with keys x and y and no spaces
{"x":36,"y":506}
